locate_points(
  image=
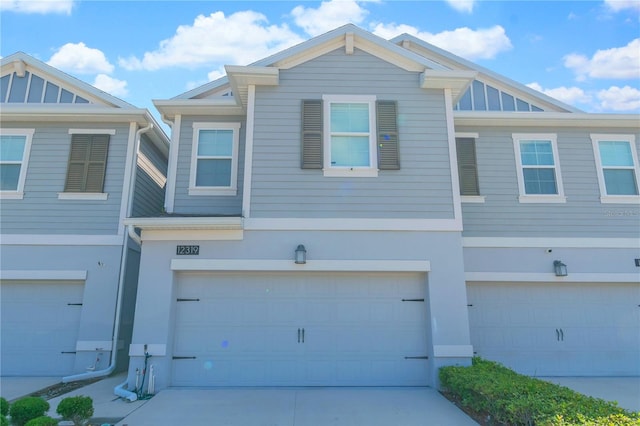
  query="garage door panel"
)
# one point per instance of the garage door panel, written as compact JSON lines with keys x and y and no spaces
{"x":355,"y":326}
{"x":564,"y":329}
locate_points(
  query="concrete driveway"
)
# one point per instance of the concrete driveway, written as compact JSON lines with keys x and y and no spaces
{"x":298,"y":407}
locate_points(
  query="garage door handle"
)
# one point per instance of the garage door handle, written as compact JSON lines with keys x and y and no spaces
{"x":561,"y":335}
{"x":557,"y":335}
{"x":303,"y":335}
{"x":298,"y":335}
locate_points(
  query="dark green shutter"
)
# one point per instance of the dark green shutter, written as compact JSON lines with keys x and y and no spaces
{"x":312,"y":156}
{"x":87,"y":163}
{"x":467,"y":166}
{"x":387,"y":122}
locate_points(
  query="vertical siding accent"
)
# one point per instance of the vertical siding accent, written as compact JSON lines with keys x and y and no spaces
{"x":467,"y":166}
{"x":87,"y":163}
{"x":312,"y":154}
{"x":388,"y":143}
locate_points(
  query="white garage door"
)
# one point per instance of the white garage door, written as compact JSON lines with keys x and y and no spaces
{"x":558,"y":329}
{"x":300,"y":329}
{"x":39,"y":327}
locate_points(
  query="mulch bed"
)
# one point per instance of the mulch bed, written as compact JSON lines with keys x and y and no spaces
{"x":483,"y":419}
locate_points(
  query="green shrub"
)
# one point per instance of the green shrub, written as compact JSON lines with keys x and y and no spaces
{"x":4,"y":407}
{"x":42,"y":421}
{"x":78,"y":409}
{"x":4,"y":421}
{"x":26,"y":409}
{"x":510,"y":398}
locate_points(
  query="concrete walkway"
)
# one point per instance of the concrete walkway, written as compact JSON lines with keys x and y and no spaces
{"x":298,"y":407}
{"x":12,"y":388}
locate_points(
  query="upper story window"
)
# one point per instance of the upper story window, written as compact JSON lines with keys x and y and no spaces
{"x":15,"y":146}
{"x":350,"y":148}
{"x":214,"y":159}
{"x":350,"y":136}
{"x":539,"y":178}
{"x":617,"y":164}
{"x":87,"y":165}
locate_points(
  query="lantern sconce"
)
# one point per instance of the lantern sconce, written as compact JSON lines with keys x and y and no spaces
{"x":301,"y":255}
{"x":559,"y":268}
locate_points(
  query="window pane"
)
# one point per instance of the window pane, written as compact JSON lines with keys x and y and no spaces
{"x":215,"y":172}
{"x":215,"y":143}
{"x":350,"y":117}
{"x":9,"y":174}
{"x":350,"y":151}
{"x":613,"y":153}
{"x":12,"y":148}
{"x":539,"y":181}
{"x":479,"y":101}
{"x":536,"y":153}
{"x":620,"y":182}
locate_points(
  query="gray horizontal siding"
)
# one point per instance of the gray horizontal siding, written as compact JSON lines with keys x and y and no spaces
{"x":41,"y":212}
{"x":280,"y":188}
{"x":205,"y":204}
{"x":148,"y":197}
{"x":582,"y":215}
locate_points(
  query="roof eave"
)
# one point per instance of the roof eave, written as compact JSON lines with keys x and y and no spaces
{"x":545,"y":119}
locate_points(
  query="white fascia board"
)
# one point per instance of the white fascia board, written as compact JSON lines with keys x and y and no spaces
{"x":72,"y":112}
{"x":514,"y":277}
{"x":218,"y":106}
{"x":545,"y":119}
{"x":310,"y":266}
{"x":362,"y":224}
{"x":456,"y":80}
{"x":185,"y":222}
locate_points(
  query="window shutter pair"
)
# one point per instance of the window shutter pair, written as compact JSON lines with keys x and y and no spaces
{"x":467,"y":166}
{"x":387,"y":135}
{"x":87,"y":163}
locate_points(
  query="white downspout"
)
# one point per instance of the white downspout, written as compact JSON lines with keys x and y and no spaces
{"x":118,"y":390}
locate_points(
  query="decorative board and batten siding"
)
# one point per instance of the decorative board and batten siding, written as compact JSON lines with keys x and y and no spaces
{"x":40,"y":211}
{"x":502,"y":215}
{"x":226,"y":205}
{"x":151,"y":179}
{"x":421,"y":188}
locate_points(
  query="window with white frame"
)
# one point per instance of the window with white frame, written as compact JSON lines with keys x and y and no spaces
{"x":539,"y":177}
{"x":350,"y":136}
{"x":617,"y":163}
{"x":15,"y":146}
{"x":214,"y":159}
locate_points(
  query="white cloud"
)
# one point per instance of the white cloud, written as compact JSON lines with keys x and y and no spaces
{"x":329,"y":15}
{"x":111,"y":85}
{"x":471,"y":44}
{"x":37,"y":6}
{"x":80,"y":59}
{"x":568,"y":95}
{"x":618,"y":5}
{"x":240,"y":38}
{"x":465,"y":6}
{"x":619,"y":99}
{"x":617,"y":62}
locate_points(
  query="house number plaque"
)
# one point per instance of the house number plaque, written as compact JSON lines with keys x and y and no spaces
{"x":187,"y":250}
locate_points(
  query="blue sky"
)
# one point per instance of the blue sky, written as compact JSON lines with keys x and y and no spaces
{"x":585,"y":53}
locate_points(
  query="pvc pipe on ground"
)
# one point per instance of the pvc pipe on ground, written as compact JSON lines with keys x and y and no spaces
{"x":123,"y":393}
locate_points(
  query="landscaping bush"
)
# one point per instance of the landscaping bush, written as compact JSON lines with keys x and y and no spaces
{"x":42,"y":421}
{"x":513,"y":399}
{"x":26,"y":409}
{"x":4,"y":421}
{"x":78,"y":409}
{"x":4,"y":407}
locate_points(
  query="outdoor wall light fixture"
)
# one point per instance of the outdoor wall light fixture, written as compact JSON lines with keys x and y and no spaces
{"x":301,"y":255}
{"x":559,"y":268}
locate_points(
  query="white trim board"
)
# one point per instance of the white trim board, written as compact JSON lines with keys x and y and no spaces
{"x":550,"y":277}
{"x":510,"y":242}
{"x":290,"y":266}
{"x":298,"y":224}
{"x":44,"y":275}
{"x":452,"y":351}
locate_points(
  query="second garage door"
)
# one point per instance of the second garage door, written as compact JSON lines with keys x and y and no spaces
{"x":300,"y":329}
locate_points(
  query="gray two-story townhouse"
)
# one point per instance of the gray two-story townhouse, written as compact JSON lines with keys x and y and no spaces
{"x":354,"y":211}
{"x":74,"y":162}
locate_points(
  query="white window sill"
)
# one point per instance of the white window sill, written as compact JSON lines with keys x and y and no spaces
{"x":213,"y":191}
{"x":542,"y":199}
{"x":11,"y":195}
{"x":350,"y":172}
{"x":620,"y":199}
{"x":472,"y":198}
{"x":99,"y":196}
